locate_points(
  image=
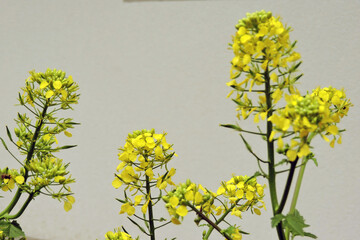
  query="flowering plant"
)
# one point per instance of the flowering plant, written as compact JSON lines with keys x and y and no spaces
{"x":264,"y":74}
{"x":41,"y":172}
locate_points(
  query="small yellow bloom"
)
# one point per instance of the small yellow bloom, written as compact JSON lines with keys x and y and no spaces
{"x":20,"y":179}
{"x":57,"y":84}
{"x":182,"y":211}
{"x":116,"y":183}
{"x":49,"y":94}
{"x":44,"y":84}
{"x":67,"y":206}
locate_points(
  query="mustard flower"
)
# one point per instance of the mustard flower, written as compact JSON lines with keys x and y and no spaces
{"x":263,"y":52}
{"x":316,"y":113}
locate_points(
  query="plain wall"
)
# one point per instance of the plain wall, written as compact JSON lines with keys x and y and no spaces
{"x":164,"y":65}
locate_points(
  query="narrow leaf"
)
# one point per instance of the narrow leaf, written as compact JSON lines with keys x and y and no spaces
{"x":4,"y":144}
{"x":8,"y":133}
{"x":246,"y":143}
{"x":237,"y":128}
{"x":307,"y":234}
{"x":135,"y":223}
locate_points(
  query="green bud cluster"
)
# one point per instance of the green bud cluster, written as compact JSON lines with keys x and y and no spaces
{"x":252,"y":20}
{"x":140,"y":132}
{"x":308,"y":107}
{"x":49,"y":167}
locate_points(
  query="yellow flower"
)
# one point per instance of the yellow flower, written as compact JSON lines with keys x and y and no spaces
{"x":182,"y":211}
{"x":127,"y":208}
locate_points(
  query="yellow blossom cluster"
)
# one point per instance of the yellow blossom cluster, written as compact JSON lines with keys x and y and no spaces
{"x":143,"y":152}
{"x":242,"y":188}
{"x":52,"y":86}
{"x":117,"y":235}
{"x":45,"y":94}
{"x":189,"y":195}
{"x":316,"y":113}
{"x":263,"y":52}
{"x":10,"y":178}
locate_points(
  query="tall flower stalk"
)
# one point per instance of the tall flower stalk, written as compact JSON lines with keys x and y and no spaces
{"x":41,"y":172}
{"x":263,"y":72}
{"x":145,"y":175}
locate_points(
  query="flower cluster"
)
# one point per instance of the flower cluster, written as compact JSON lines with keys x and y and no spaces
{"x":188,"y":194}
{"x":54,"y":87}
{"x":143,"y":152}
{"x":263,"y":52}
{"x":242,"y":188}
{"x":117,"y":235}
{"x":44,"y":95}
{"x":316,"y":113}
{"x":235,"y":196}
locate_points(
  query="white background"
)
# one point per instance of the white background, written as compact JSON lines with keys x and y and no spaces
{"x":164,"y":65}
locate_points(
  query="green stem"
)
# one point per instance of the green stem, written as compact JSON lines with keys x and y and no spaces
{"x":296,"y":191}
{"x":212,"y":224}
{"x":271,"y":155}
{"x":29,"y":156}
{"x":150,"y":209}
{"x":21,"y":211}
{"x":287,"y":186}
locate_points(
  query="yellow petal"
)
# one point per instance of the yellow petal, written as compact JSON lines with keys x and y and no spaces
{"x":182,"y":211}
{"x":249,"y":196}
{"x":67,"y":134}
{"x":20,"y":179}
{"x":175,"y":221}
{"x":71,"y":199}
{"x":137,"y":199}
{"x":67,"y":206}
{"x":49,"y":94}
{"x":332,"y":129}
{"x":257,"y":211}
{"x":304,"y":151}
{"x":57,"y":84}
{"x":291,"y":154}
{"x":116,"y":183}
{"x":144,"y":207}
{"x":43,"y":84}
{"x":174,"y":201}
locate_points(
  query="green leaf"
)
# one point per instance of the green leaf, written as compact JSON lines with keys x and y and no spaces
{"x":66,"y":147}
{"x":11,"y":229}
{"x":307,"y":234}
{"x":276,"y":220}
{"x":237,"y":128}
{"x":296,"y":223}
{"x":4,"y":144}
{"x":8,"y":133}
{"x":122,"y":201}
{"x":21,"y":100}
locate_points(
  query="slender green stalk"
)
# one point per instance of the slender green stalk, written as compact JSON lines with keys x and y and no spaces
{"x":271,"y":155}
{"x":29,"y":156}
{"x":212,"y":224}
{"x":150,"y":209}
{"x":287,"y":186}
{"x":296,"y":192}
{"x":22,"y":209}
